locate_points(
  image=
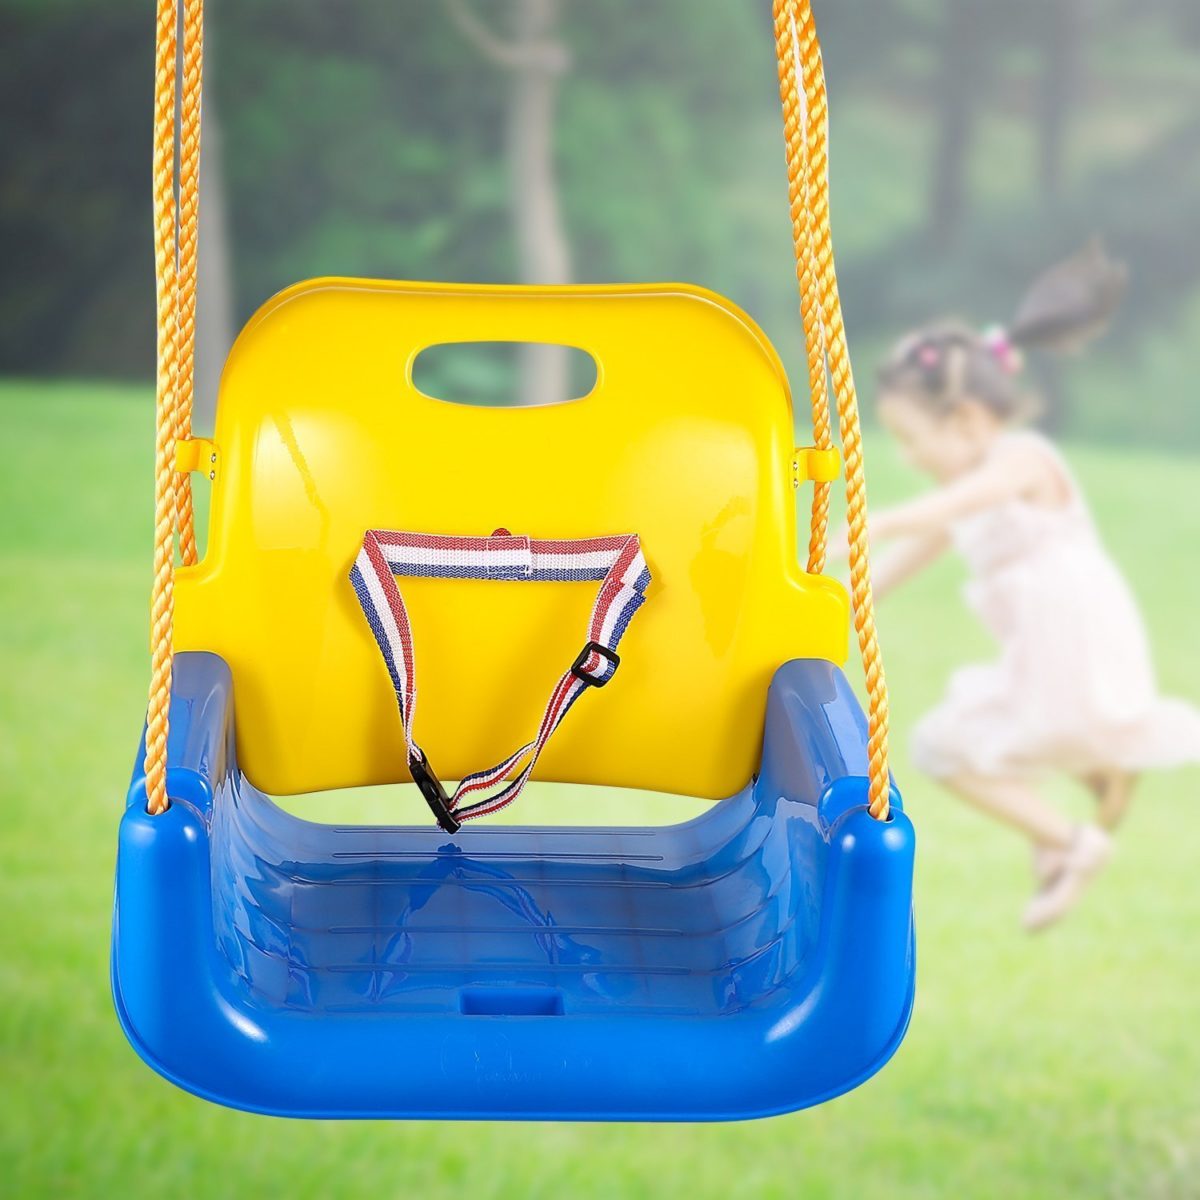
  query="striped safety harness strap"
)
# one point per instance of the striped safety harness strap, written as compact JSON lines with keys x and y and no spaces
{"x":617,"y":563}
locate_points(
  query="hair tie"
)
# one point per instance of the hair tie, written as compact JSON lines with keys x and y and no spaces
{"x":1001,"y":347}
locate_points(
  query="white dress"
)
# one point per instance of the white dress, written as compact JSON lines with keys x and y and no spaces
{"x":1074,"y":687}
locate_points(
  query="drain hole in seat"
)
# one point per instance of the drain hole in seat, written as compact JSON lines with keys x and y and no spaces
{"x":511,"y":1002}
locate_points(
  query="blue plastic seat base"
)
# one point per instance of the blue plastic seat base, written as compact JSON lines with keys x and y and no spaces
{"x":752,"y":961}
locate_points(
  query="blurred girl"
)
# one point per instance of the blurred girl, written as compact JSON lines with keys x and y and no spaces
{"x":1073,"y":690}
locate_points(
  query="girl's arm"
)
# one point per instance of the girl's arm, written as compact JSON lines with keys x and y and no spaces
{"x":906,"y":559}
{"x":1002,"y":477}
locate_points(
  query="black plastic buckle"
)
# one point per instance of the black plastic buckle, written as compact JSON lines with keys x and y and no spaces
{"x":595,"y":648}
{"x":433,"y":791}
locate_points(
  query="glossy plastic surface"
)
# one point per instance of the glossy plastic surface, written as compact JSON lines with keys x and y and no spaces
{"x":687,"y":440}
{"x":752,"y":961}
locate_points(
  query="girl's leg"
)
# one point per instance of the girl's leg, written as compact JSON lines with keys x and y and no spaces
{"x":1113,"y":791}
{"x":1016,"y":804}
{"x":1080,"y":850}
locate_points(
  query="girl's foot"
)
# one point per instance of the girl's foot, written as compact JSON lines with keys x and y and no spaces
{"x":1113,"y":791}
{"x":1048,"y":864}
{"x":1086,"y":857}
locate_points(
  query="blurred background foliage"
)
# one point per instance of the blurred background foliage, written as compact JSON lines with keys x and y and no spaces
{"x":973,"y":143}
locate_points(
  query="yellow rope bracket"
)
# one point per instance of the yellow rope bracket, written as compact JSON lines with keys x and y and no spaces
{"x":196,"y":454}
{"x":817,"y":466}
{"x":177,"y":91}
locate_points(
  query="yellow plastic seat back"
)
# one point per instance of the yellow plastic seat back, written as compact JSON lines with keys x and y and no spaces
{"x":686,"y":439}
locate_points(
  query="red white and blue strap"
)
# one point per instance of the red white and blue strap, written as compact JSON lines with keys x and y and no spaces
{"x":617,"y":563}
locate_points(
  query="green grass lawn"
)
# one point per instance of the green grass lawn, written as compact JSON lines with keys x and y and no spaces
{"x":1063,"y":1066}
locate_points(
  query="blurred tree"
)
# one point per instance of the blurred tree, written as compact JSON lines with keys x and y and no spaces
{"x":1063,"y":49}
{"x":214,"y":284}
{"x":1186,"y":14}
{"x":960,"y":76}
{"x":535,"y":59}
{"x":77,"y":274}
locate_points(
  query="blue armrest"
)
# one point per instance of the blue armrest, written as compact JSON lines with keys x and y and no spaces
{"x":815,"y":745}
{"x":201,"y":752}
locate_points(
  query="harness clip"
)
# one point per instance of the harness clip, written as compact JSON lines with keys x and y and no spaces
{"x":434,"y":792}
{"x":577,"y":667}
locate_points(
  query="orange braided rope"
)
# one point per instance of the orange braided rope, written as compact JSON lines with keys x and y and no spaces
{"x":165,"y":249}
{"x":800,"y":136}
{"x":189,"y":230}
{"x":799,"y":51}
{"x":176,"y":231}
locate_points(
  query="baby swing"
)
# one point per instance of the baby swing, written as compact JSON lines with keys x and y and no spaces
{"x":752,"y":961}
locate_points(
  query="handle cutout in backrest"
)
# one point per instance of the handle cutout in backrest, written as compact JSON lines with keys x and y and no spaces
{"x":504,"y":374}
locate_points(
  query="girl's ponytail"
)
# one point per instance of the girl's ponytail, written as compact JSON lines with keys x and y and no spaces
{"x":1070,"y":304}
{"x":948,"y":363}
